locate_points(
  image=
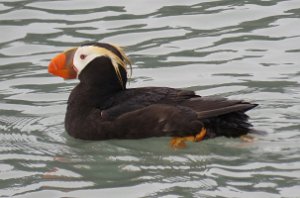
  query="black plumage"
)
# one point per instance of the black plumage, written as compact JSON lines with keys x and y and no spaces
{"x":100,"y":108}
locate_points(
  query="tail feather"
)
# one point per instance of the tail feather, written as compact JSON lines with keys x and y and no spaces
{"x":225,"y":110}
{"x":233,"y":124}
{"x":220,"y":116}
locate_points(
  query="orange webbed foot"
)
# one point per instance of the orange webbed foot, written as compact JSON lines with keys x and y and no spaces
{"x":200,"y":135}
{"x":179,"y":142}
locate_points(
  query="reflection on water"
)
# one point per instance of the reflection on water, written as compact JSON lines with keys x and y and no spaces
{"x":242,"y":50}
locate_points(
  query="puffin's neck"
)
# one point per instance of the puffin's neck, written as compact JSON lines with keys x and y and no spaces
{"x":100,"y":90}
{"x":95,"y":96}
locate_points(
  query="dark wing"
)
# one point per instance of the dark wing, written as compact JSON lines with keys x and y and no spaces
{"x":137,"y":98}
{"x":158,"y":120}
{"x":207,"y":107}
{"x":157,"y":111}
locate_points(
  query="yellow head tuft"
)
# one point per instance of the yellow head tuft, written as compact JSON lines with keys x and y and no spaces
{"x":115,"y":59}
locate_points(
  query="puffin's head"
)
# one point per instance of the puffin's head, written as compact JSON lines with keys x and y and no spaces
{"x":92,"y":62}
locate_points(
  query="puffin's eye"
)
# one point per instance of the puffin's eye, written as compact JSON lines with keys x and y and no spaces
{"x":82,"y":56}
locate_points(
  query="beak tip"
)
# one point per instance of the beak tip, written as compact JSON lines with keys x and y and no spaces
{"x":51,"y":67}
{"x":58,"y":67}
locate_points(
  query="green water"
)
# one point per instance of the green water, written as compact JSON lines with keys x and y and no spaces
{"x":237,"y":49}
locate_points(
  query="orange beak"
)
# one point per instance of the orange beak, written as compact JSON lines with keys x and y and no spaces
{"x":62,"y":65}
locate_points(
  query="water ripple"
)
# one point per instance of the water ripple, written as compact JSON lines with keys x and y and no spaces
{"x":241,"y":50}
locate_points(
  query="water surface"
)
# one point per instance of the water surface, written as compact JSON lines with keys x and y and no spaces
{"x":236,"y":49}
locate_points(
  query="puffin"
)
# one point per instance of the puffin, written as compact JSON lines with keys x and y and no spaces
{"x":101,"y":107}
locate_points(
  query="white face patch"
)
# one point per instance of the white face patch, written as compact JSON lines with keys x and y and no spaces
{"x":83,"y":56}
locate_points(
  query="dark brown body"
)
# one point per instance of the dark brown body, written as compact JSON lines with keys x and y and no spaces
{"x":99,"y":108}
